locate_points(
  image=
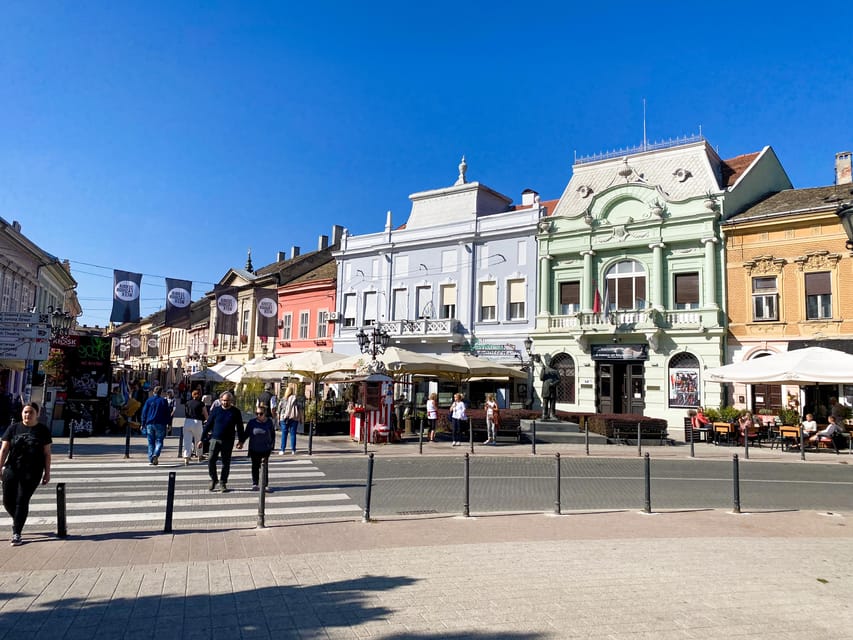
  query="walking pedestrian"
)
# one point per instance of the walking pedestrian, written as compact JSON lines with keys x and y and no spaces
{"x":432,"y":415}
{"x":155,"y":418}
{"x":288,"y":411}
{"x":458,"y":415}
{"x":267,"y":399}
{"x":260,"y":432}
{"x":491,"y":419}
{"x":25,"y":460}
{"x":173,"y":403}
{"x":223,"y":425}
{"x":196,"y":415}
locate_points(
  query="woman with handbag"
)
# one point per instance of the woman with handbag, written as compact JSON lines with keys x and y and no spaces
{"x":289,"y":418}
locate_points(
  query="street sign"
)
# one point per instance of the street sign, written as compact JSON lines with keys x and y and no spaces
{"x":24,"y":349}
{"x":14,"y":317}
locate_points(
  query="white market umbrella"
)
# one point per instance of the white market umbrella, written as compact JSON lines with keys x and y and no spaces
{"x":813,"y":365}
{"x":306,"y":364}
{"x":398,"y":362}
{"x":483,"y":368}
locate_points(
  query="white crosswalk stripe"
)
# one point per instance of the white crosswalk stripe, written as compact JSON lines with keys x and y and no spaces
{"x":130,"y":491}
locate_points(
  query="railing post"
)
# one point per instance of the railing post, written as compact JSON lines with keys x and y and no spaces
{"x":311,"y":436}
{"x":648,"y":481}
{"x":421,"y":437}
{"x":736,"y":483}
{"x":533,"y":439}
{"x":365,"y":432}
{"x":639,"y":440}
{"x":692,"y":451}
{"x":127,"y":439}
{"x":368,"y":488}
{"x":170,"y":502}
{"x":262,"y":497}
{"x":557,"y":503}
{"x":803,"y":444}
{"x":466,"y":511}
{"x":585,"y":420}
{"x":746,"y":442}
{"x":61,"y":527}
{"x":70,"y":439}
{"x":470,"y":434}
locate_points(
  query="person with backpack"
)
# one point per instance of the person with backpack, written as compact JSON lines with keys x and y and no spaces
{"x":25,"y":460}
{"x":260,"y":432}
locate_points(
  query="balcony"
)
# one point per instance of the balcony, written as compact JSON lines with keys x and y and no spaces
{"x":688,"y":319}
{"x":425,"y":329}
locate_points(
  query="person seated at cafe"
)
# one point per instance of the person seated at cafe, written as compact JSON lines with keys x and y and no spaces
{"x":746,"y":424}
{"x":809,"y":426}
{"x":831,"y":430}
{"x":700,"y":420}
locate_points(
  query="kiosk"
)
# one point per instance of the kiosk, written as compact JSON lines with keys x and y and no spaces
{"x":370,"y":413}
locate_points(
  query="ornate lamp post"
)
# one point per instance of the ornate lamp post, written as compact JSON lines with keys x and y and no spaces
{"x":60,"y":322}
{"x":375,"y":342}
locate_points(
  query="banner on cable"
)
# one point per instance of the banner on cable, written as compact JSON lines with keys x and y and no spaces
{"x":125,"y":296}
{"x":135,"y":344}
{"x":226,"y":310}
{"x":153,"y":346}
{"x":267,"y":305}
{"x":178,"y":298}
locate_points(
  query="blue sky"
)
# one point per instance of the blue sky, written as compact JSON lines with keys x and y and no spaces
{"x":168,"y":138}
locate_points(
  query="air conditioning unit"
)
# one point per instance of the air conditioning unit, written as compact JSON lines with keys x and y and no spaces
{"x":334,"y":316}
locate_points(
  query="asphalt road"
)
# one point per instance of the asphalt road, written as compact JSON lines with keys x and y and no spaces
{"x":513,"y":484}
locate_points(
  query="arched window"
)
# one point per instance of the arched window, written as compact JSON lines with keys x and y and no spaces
{"x":565,"y":366}
{"x":684,"y":381}
{"x":625,"y":286}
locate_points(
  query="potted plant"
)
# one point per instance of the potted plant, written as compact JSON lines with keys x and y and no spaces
{"x":789,"y":417}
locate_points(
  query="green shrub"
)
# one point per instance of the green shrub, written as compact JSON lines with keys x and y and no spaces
{"x":789,"y":416}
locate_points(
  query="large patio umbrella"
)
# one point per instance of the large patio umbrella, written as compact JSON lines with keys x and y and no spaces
{"x":481,"y":368}
{"x":306,"y":364}
{"x":399,"y":362}
{"x":813,"y":365}
{"x":218,"y":372}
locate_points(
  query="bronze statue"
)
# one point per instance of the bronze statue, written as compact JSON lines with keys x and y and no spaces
{"x":550,"y":379}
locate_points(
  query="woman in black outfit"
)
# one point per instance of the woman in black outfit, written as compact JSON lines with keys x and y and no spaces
{"x":25,"y":459}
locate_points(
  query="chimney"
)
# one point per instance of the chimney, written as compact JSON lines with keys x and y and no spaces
{"x":294,"y":251}
{"x":843,"y":167}
{"x":528,"y":197}
{"x":16,"y":226}
{"x":337,"y":234}
{"x":280,"y":256}
{"x":323,"y":243}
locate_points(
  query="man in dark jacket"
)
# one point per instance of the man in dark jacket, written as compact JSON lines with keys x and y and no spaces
{"x":224,"y":424}
{"x":267,"y":401}
{"x":156,"y":414}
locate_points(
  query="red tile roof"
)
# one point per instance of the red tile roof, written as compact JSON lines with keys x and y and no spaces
{"x":733,"y":168}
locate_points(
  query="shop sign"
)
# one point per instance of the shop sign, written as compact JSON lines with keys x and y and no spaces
{"x":620,"y":352}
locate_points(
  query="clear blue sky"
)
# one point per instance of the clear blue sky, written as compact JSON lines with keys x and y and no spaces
{"x":169,"y":137}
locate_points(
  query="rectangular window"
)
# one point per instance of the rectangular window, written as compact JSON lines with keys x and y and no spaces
{"x":818,"y":295}
{"x":423,"y":300}
{"x":448,"y":261}
{"x":303,"y":325}
{"x":286,"y":326}
{"x":370,"y":310}
{"x":349,"y":309}
{"x":764,"y":299}
{"x":686,"y":287}
{"x":400,"y":299}
{"x":517,"y":298}
{"x":322,"y":323}
{"x":245,"y":330}
{"x":488,"y":302}
{"x":570,"y":297}
{"x":448,"y":301}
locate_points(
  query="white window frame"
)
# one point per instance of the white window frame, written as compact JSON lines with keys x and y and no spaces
{"x":488,"y":312}
{"x":516,"y":309}
{"x":765,"y":300}
{"x":286,"y":326}
{"x":304,"y":324}
{"x":322,"y":323}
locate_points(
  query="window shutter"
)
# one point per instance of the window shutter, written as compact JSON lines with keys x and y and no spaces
{"x":448,"y":295}
{"x":516,"y":291}
{"x":488,"y":294}
{"x":570,"y":293}
{"x":818,"y":284}
{"x":687,"y":288}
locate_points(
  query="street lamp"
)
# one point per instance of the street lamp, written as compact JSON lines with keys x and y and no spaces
{"x":374,"y":342}
{"x":60,"y":322}
{"x":844,"y":210}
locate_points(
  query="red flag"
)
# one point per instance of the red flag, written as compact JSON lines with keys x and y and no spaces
{"x":596,"y":303}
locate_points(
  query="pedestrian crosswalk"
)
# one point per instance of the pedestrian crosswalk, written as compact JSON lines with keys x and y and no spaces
{"x":125,"y":493}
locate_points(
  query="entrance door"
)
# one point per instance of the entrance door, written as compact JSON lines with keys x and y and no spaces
{"x":620,"y":387}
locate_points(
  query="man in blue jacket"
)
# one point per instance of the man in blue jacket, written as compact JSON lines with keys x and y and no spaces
{"x":224,"y":423}
{"x":155,"y":417}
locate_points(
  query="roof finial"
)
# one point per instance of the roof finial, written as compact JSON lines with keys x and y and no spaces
{"x":249,"y":266}
{"x":462,"y":168}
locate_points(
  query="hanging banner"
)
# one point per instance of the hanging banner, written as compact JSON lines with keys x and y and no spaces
{"x":153,"y":347}
{"x":178,"y":298}
{"x":266,"y":302}
{"x":125,"y":296}
{"x":226,"y":310}
{"x":135,"y":345}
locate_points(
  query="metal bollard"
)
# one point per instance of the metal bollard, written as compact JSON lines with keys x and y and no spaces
{"x":533,"y":439}
{"x":466,"y":511}
{"x":311,"y":438}
{"x":70,"y":440}
{"x":746,"y":443}
{"x":471,"y":434}
{"x":262,"y":498}
{"x":61,"y":527}
{"x":736,"y":483}
{"x":365,"y":434}
{"x":639,"y":439}
{"x":421,"y":437}
{"x":692,"y":452}
{"x":803,"y":444}
{"x":648,"y":475}
{"x":557,"y":505}
{"x":585,"y":422}
{"x":368,"y":488}
{"x":170,"y":502}
{"x":127,"y":440}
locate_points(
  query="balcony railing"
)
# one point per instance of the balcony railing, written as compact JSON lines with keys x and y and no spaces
{"x":648,"y":318}
{"x":445,"y":328}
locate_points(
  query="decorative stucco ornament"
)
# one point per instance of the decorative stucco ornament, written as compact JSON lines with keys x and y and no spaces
{"x":682,"y":174}
{"x":585,"y":191}
{"x":463,"y":167}
{"x":657,"y":209}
